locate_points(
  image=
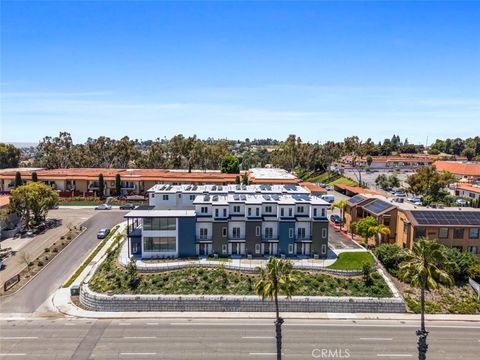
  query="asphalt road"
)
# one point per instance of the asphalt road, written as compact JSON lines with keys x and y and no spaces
{"x":230,"y":339}
{"x":34,"y":294}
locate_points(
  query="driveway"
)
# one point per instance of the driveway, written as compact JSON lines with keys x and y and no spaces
{"x":36,"y":292}
{"x":338,"y":241}
{"x":35,"y":246}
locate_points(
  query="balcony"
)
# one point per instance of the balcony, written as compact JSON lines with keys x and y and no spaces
{"x":203,"y":239}
{"x":303,"y":239}
{"x":236,"y":239}
{"x":270,"y":239}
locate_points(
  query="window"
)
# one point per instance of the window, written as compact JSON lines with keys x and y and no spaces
{"x":224,"y":213}
{"x":159,"y":244}
{"x":282,"y":212}
{"x":216,"y":212}
{"x":224,"y":249}
{"x":290,"y":232}
{"x":386,"y":221}
{"x":249,"y":211}
{"x":301,"y":233}
{"x":179,"y":196}
{"x":257,"y":212}
{"x":224,"y":232}
{"x":315,"y":212}
{"x":323,"y":213}
{"x":204,"y":210}
{"x":443,"y":233}
{"x":473,"y":233}
{"x":257,"y":248}
{"x":472,"y":249}
{"x":268,"y":209}
{"x":420,"y":232}
{"x":290,"y":248}
{"x":236,"y":209}
{"x":165,"y":197}
{"x":258,"y":230}
{"x":268,"y":233}
{"x":324,"y":233}
{"x":153,"y":195}
{"x":300,"y":209}
{"x":458,"y":233}
{"x":290,"y":212}
{"x":236,"y":233}
{"x":203,"y":233}
{"x":159,"y":224}
{"x":324,"y":249}
{"x":192,"y":197}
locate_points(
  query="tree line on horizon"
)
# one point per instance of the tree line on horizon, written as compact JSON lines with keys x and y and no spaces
{"x":180,"y":152}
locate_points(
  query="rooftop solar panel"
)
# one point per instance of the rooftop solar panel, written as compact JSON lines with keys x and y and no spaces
{"x":377,"y":206}
{"x":356,"y":199}
{"x":434,"y":217}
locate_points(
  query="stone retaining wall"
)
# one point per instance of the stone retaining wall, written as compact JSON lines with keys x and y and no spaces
{"x":228,"y":303}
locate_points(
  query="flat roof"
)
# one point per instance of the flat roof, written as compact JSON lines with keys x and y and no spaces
{"x":160,"y":213}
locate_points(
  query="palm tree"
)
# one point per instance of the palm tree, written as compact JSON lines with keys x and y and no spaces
{"x":425,"y":266}
{"x":276,"y":279}
{"x":342,"y":204}
{"x":379,"y":230}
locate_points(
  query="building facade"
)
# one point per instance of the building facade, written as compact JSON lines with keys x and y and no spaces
{"x":233,"y":220}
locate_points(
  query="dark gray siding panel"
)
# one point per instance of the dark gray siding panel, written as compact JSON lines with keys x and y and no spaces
{"x":186,"y":236}
{"x":283,"y":236}
{"x":217,"y":236}
{"x":317,"y":239}
{"x":251,"y":236}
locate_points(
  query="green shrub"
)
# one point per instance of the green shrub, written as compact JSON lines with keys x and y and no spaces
{"x":390,"y":255}
{"x":474,"y":272}
{"x":460,"y":263}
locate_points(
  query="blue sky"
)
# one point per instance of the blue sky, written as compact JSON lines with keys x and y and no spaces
{"x":321,"y":70}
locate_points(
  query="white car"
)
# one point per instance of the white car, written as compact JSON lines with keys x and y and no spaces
{"x":103,"y":207}
{"x":461,"y":202}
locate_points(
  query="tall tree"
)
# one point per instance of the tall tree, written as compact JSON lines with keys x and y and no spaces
{"x":230,"y":165}
{"x":101,"y":186}
{"x":118,"y":185}
{"x":31,"y":202}
{"x":277,"y":279}
{"x":426,"y":266}
{"x":369,"y":227}
{"x":429,"y":182}
{"x":9,"y":156}
{"x":55,"y":153}
{"x":18,"y":179}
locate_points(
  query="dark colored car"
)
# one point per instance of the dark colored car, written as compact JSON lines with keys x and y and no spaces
{"x":103,"y":233}
{"x":127,"y":207}
{"x":336,"y":219}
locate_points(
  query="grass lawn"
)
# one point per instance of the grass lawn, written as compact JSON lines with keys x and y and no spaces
{"x":218,"y":281}
{"x":344,"y":181}
{"x":332,"y":178}
{"x":352,"y":261}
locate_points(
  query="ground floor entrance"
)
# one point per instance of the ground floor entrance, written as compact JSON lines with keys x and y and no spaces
{"x":270,"y":248}
{"x":302,"y":249}
{"x":204,"y":249}
{"x":236,"y":248}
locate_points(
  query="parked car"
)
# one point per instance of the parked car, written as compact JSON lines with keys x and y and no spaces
{"x":329,"y":187}
{"x":400,"y":194}
{"x":461,"y":202}
{"x":336,"y":219}
{"x":103,"y":207}
{"x":103,"y":233}
{"x":127,"y":207}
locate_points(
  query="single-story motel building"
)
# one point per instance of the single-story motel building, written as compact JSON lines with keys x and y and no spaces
{"x":453,"y":227}
{"x":229,"y":220}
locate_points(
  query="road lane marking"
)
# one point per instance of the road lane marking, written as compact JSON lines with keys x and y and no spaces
{"x":257,"y":337}
{"x":124,"y":324}
{"x":152,"y":324}
{"x":220,"y":324}
{"x":377,"y":339}
{"x":139,"y":337}
{"x":138,"y":354}
{"x":69,"y":324}
{"x":18,"y":337}
{"x":394,"y":355}
{"x":13,"y":354}
{"x":262,"y":354}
